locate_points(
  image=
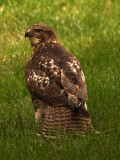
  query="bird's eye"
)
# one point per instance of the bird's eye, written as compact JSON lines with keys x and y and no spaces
{"x":38,"y":30}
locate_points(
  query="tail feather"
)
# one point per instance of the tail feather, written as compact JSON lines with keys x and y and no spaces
{"x":64,"y":120}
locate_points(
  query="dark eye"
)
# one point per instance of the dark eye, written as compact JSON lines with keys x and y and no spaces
{"x":38,"y":30}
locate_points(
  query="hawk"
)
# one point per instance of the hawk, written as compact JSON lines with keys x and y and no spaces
{"x":56,"y":83}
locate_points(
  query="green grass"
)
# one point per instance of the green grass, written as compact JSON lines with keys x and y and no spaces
{"x":91,"y":31}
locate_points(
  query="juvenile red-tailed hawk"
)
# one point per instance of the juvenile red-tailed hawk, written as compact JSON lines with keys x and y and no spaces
{"x":56,"y":83}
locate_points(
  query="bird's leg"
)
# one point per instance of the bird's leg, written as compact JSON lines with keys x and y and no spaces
{"x":40,"y":109}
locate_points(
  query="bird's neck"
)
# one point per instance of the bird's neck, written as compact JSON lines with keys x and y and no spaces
{"x":44,"y":43}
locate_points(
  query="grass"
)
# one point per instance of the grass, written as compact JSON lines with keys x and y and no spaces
{"x":91,"y":31}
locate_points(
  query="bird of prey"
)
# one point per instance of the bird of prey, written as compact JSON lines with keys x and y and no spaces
{"x":57,"y":85}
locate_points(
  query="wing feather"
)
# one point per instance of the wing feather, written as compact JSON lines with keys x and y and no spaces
{"x":72,"y":78}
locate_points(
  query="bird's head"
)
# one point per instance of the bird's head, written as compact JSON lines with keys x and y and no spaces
{"x":40,"y":33}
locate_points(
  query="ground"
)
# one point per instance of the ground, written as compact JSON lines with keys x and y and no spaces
{"x":91,"y":31}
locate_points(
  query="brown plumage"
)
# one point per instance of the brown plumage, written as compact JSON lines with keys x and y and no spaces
{"x":56,"y":83}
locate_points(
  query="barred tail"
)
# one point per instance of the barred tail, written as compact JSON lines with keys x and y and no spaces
{"x":62,"y":119}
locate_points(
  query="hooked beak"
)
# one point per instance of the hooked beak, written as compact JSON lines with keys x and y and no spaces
{"x":27,"y":34}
